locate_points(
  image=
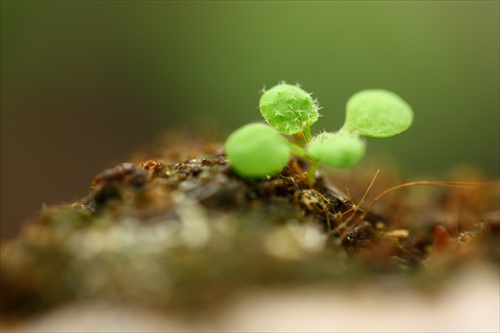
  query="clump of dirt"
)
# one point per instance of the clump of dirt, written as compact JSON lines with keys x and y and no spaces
{"x":175,"y":228}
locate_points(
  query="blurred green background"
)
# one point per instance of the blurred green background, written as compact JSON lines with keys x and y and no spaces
{"x":85,"y":83}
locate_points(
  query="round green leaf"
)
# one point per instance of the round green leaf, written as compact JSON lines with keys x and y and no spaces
{"x":337,"y":150}
{"x":256,"y":150}
{"x":377,"y":113}
{"x":289,"y":109}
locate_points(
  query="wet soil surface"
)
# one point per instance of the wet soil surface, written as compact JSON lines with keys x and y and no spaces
{"x":175,"y":228}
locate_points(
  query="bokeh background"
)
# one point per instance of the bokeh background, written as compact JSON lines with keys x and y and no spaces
{"x":85,"y":83}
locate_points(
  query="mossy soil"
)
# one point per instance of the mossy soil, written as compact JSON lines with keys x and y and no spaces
{"x":174,"y":228}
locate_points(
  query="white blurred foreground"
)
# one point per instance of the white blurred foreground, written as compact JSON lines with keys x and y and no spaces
{"x":469,"y":303}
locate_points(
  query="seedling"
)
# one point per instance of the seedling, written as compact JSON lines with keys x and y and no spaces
{"x":256,"y":150}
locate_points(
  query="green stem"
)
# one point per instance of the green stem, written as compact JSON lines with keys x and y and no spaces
{"x":312,"y":171}
{"x":307,"y":134}
{"x":297,"y":150}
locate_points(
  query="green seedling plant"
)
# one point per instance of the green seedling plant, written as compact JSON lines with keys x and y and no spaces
{"x":257,"y":150}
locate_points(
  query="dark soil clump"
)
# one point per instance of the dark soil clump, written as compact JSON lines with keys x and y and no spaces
{"x":178,"y":229}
